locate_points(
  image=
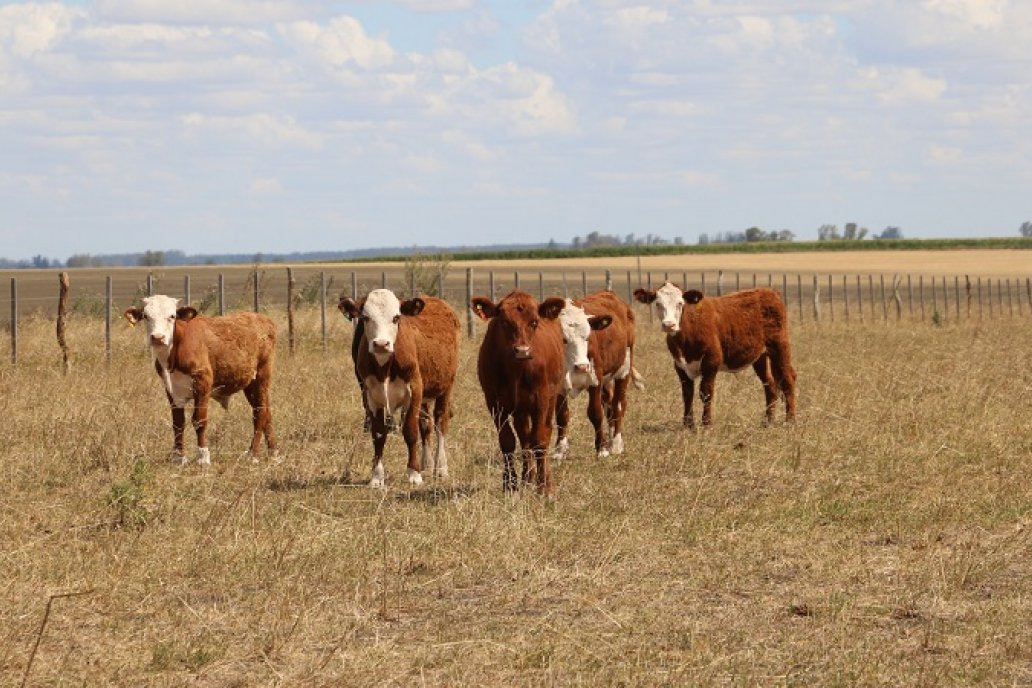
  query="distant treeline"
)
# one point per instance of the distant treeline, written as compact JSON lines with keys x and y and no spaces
{"x":518,"y":252}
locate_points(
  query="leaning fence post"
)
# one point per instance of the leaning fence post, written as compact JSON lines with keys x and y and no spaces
{"x":322,"y":310}
{"x":62,"y":311}
{"x":14,"y":321}
{"x":470,"y":325}
{"x":290,"y":311}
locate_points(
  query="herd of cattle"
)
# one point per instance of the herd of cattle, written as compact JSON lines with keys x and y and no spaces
{"x":532,"y":358}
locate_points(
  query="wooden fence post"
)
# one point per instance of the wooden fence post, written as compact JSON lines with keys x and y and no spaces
{"x":383,"y":280}
{"x":648,"y":285}
{"x":859,"y":299}
{"x":816,"y":300}
{"x":584,"y":283}
{"x":186,"y":289}
{"x":630,"y":290}
{"x":738,"y":281}
{"x":62,"y":311}
{"x":910,"y":297}
{"x":989,"y":294}
{"x":870,"y":292}
{"x":720,"y":282}
{"x":471,"y":330}
{"x":108,"y":306}
{"x":845,"y":296}
{"x":322,"y":310}
{"x":978,"y":294}
{"x":754,"y":280}
{"x":516,"y":279}
{"x":1010,"y":301}
{"x":222,"y":294}
{"x":150,"y":284}
{"x":14,"y":321}
{"x":884,"y":305}
{"x":609,"y":280}
{"x":831,"y":300}
{"x":896,"y":297}
{"x":256,"y":297}
{"x":354,"y":285}
{"x":799,"y":295}
{"x":290,"y":311}
{"x":784,"y":290}
{"x":920,"y":295}
{"x":956,"y":295}
{"x":967,"y":290}
{"x":541,"y":286}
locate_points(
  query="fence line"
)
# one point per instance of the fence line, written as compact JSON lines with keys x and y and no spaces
{"x":1010,"y":297}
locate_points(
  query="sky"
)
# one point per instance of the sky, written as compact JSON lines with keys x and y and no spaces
{"x":274,"y":126}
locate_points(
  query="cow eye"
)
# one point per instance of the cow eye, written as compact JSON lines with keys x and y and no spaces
{"x":534,"y":323}
{"x":397,"y":319}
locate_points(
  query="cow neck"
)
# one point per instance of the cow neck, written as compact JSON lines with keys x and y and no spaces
{"x":383,"y":372}
{"x":165,"y":357}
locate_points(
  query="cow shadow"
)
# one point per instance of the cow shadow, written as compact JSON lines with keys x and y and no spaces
{"x":436,"y":494}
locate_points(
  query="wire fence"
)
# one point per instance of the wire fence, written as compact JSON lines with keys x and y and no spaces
{"x":810,"y":298}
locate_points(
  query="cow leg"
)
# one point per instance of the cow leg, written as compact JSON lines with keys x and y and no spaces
{"x":410,"y":431}
{"x":523,"y":425}
{"x":442,"y":419}
{"x":202,"y":397}
{"x":426,"y":427}
{"x":687,"y":396}
{"x":257,"y":395}
{"x":378,"y":426}
{"x":770,"y":389}
{"x":562,"y":424}
{"x":706,"y":386}
{"x":540,"y":435}
{"x":507,"y":443}
{"x":784,"y":373}
{"x":617,"y":408}
{"x":596,"y":414}
{"x":178,"y":426}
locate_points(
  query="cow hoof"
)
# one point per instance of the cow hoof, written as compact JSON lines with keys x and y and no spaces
{"x":178,"y":460}
{"x":617,"y":446}
{"x":415,"y":477}
{"x":376,"y":483}
{"x":603,"y":453}
{"x":204,"y":456}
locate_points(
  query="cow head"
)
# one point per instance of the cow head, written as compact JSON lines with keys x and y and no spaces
{"x":381,"y":313}
{"x":577,"y":326}
{"x":160,"y":313}
{"x":669,"y":301}
{"x":518,"y":316}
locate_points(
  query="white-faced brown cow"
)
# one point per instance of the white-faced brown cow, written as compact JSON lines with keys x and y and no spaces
{"x":408,"y":356}
{"x":598,"y":345}
{"x":200,"y":358}
{"x":709,"y":334}
{"x":520,"y":367}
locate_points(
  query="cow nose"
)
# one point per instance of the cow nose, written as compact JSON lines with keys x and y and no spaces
{"x":157,"y":339}
{"x":382,"y":344}
{"x":581,"y":367}
{"x":522,"y":351}
{"x":669,"y":326}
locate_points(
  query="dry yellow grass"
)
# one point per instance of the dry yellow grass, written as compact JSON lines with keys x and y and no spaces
{"x":881,"y":540}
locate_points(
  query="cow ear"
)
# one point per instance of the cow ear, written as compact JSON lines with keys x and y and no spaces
{"x":645,"y":296}
{"x":549,"y":309}
{"x":348,"y":307}
{"x":412,"y":307}
{"x":186,"y":313}
{"x":692,"y":296}
{"x":600,"y":322}
{"x":133,"y":315}
{"x":483,"y":307}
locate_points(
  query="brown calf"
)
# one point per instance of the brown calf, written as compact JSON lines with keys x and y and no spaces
{"x":598,"y":342}
{"x":520,"y":367}
{"x":706,"y":335}
{"x":407,"y":357}
{"x":200,"y":358}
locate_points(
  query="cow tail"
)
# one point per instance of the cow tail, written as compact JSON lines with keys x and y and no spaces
{"x":637,"y":379}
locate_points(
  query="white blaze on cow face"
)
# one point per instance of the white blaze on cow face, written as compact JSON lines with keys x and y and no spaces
{"x":380,"y":316}
{"x":669,"y":304}
{"x":576,"y":329}
{"x":159,"y":312}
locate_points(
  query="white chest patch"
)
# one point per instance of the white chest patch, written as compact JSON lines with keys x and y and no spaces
{"x":578,"y":382}
{"x":624,"y":370}
{"x":182,"y":389}
{"x":391,"y":394}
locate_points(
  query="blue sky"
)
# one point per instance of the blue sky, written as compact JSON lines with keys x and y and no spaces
{"x":275,"y":126}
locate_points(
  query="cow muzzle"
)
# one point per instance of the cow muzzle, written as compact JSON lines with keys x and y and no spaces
{"x":381,"y":346}
{"x":521,"y":352}
{"x":669,"y":326}
{"x":157,"y":340}
{"x":581,"y":367}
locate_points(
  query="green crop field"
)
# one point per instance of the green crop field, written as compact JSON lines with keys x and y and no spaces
{"x":883,"y":539}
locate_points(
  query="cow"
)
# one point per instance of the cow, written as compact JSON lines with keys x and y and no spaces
{"x":598,"y":344}
{"x":201,"y":358}
{"x":408,"y":356}
{"x":520,"y":368}
{"x":714,"y":333}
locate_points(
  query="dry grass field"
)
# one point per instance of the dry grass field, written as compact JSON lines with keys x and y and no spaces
{"x":883,"y":539}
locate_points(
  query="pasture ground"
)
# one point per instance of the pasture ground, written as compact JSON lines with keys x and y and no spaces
{"x":882,"y":539}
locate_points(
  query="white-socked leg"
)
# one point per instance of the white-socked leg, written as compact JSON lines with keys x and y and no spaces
{"x":561,"y":449}
{"x":377,"y":478}
{"x":203,"y":456}
{"x":415,"y":477}
{"x":617,"y":444}
{"x":427,"y":458}
{"x":441,"y":465}
{"x":177,"y":459}
{"x":603,"y":452}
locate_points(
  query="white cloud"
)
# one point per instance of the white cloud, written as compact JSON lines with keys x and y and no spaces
{"x":204,"y":11}
{"x":261,"y":128}
{"x":28,"y":29}
{"x":339,"y":43}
